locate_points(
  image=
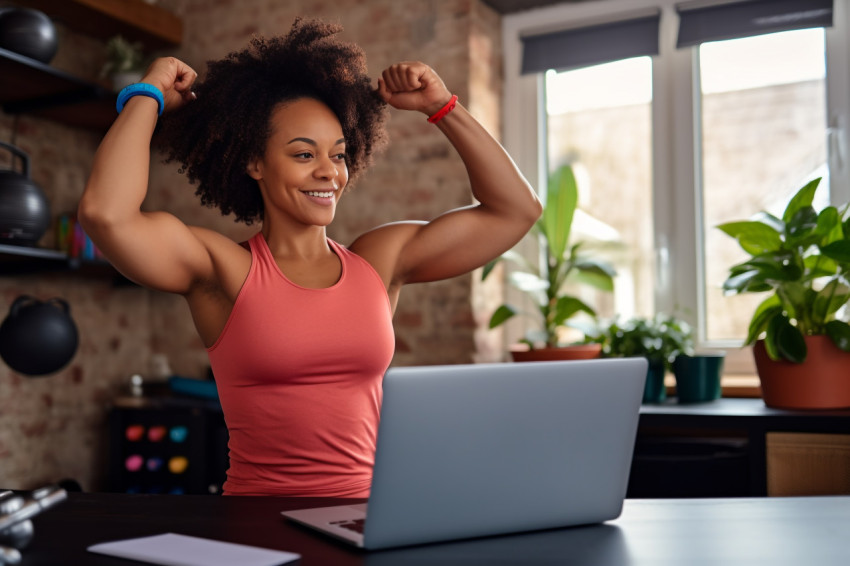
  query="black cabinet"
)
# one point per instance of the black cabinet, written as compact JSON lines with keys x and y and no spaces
{"x":689,"y":467}
{"x":171,"y":445}
{"x":716,"y":449}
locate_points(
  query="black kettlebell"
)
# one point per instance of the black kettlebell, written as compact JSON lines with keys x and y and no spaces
{"x":29,"y":33}
{"x":24,"y":209}
{"x":38,"y":337}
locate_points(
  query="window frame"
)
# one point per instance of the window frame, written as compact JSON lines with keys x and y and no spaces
{"x":675,"y":159}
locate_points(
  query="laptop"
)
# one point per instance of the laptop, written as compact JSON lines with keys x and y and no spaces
{"x":475,"y":450}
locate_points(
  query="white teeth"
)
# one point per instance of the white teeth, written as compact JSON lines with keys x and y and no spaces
{"x":321,"y":194}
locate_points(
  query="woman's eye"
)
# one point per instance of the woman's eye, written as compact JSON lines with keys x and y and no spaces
{"x":340,"y":156}
{"x":304,"y":155}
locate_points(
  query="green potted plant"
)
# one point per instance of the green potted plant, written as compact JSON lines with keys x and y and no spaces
{"x":125,"y":62}
{"x":802,"y":260}
{"x":562,"y":262}
{"x":660,"y":339}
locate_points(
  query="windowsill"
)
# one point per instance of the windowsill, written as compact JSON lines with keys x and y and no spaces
{"x":740,"y":386}
{"x":731,"y":385}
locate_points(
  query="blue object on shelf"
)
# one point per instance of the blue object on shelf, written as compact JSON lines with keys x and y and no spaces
{"x":193,"y":387}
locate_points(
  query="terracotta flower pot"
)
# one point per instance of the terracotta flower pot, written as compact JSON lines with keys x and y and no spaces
{"x":821,"y":382}
{"x":574,"y":352}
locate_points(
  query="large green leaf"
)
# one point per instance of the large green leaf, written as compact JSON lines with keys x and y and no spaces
{"x":783,"y":340}
{"x":818,"y":265}
{"x":802,"y":226}
{"x":769,"y":219}
{"x":771,"y":333}
{"x":740,"y":268}
{"x":754,"y":237}
{"x":828,"y":300}
{"x":839,"y":251}
{"x":768,"y":308}
{"x":488,"y":268}
{"x":739,"y":282}
{"x":778,"y":266}
{"x":791,"y":344}
{"x":794,"y":298}
{"x":746,"y":282}
{"x":587,"y":264}
{"x":804,"y":197}
{"x":596,"y":274}
{"x":502,"y":314}
{"x":568,"y":306}
{"x":758,"y":286}
{"x":829,"y":226}
{"x":839,"y":332}
{"x":561,"y":202}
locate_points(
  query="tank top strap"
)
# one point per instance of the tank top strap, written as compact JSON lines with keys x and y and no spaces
{"x":261,"y":254}
{"x":341,"y":252}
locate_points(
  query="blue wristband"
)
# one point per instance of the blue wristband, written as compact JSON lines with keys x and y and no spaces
{"x":140,"y":89}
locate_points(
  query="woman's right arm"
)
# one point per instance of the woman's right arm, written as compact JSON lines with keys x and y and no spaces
{"x":154,"y":249}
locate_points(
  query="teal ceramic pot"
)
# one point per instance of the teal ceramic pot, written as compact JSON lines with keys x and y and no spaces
{"x":654,"y":390}
{"x":698,"y":377}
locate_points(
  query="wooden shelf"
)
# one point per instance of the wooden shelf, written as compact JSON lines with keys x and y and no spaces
{"x":22,"y":260}
{"x":136,"y":20}
{"x":41,"y":90}
{"x":34,"y":88}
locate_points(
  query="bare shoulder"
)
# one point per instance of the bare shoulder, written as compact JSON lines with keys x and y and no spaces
{"x":382,"y":247}
{"x":230,"y":260}
{"x":213,"y":240}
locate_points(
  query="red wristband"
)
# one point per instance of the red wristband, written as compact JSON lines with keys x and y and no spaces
{"x":441,"y":113}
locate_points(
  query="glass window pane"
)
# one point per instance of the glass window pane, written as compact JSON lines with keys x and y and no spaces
{"x":763,"y":109}
{"x":599,"y":120}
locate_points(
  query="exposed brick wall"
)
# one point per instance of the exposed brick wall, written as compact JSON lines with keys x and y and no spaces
{"x":55,"y":427}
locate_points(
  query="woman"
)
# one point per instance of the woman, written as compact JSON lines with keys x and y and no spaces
{"x":298,"y":328}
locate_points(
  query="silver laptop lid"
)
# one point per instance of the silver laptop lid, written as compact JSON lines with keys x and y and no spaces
{"x":482,"y":449}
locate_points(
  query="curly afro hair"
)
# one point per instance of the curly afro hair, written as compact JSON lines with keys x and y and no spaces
{"x":216,"y":136}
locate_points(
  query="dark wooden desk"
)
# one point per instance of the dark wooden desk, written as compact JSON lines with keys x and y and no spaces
{"x":743,"y":414}
{"x":732,"y":532}
{"x":746,"y":419}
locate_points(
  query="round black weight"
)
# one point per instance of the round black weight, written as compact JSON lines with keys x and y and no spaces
{"x":29,"y":33}
{"x":38,"y":337}
{"x":24,"y":208}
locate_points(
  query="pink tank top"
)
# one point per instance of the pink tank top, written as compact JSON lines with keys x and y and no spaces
{"x":299,"y":375}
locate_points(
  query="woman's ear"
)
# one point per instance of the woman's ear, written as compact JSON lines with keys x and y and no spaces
{"x":254,"y":169}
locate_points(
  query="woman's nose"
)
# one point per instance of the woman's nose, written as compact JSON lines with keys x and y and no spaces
{"x":326,"y":168}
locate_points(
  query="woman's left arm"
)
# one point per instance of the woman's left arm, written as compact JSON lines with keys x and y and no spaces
{"x":463,"y":239}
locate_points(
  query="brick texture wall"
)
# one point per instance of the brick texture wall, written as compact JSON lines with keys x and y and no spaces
{"x":55,"y":427}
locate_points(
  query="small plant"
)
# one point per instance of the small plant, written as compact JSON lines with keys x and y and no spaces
{"x":659,"y":339}
{"x":122,"y":57}
{"x":803,"y":260}
{"x":565,"y":262}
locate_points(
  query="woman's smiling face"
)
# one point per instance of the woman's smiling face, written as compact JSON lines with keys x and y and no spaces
{"x":303,"y":171}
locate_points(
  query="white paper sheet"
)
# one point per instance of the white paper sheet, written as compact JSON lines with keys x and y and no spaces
{"x":171,"y":549}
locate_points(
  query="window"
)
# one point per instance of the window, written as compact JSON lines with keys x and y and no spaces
{"x":598,"y":119}
{"x":763,"y":134}
{"x":744,"y":106}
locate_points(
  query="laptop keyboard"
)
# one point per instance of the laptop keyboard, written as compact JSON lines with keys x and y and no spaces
{"x":355,"y":525}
